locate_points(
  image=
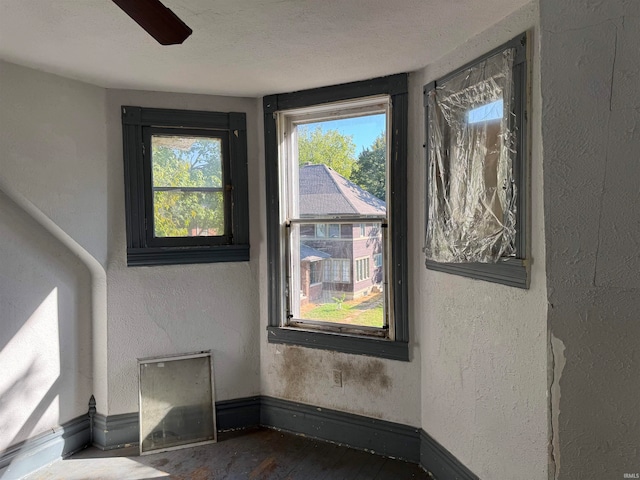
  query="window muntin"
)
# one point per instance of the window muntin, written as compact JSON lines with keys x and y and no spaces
{"x":318,"y":195}
{"x":185,"y":185}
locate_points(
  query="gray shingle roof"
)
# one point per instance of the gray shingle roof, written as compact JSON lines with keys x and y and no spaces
{"x":310,"y":254}
{"x":323,"y":191}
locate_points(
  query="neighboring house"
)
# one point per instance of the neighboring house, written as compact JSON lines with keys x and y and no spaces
{"x":337,"y":258}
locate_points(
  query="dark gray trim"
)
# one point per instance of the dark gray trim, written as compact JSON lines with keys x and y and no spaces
{"x":115,"y":431}
{"x":238,"y":413}
{"x":438,"y":461}
{"x":365,"y":433}
{"x":59,"y":442}
{"x":273,"y":210}
{"x":397,"y":87}
{"x":339,"y":342}
{"x":391,"y":85}
{"x":378,"y":436}
{"x":398,"y":230}
{"x":146,"y":250}
{"x":145,"y":257}
{"x":513,"y":272}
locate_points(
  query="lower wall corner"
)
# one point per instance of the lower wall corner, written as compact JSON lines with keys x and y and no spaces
{"x":378,"y":436}
{"x":25,"y":457}
{"x":441,"y":463}
{"x":115,"y":431}
{"x":118,"y":431}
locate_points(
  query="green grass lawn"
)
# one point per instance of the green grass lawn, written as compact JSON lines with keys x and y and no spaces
{"x":367,"y":312}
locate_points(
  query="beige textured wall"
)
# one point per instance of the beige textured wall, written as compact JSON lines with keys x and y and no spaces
{"x":483,"y":345}
{"x":591,"y":131}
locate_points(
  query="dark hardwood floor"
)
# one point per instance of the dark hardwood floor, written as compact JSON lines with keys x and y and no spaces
{"x":255,"y":455}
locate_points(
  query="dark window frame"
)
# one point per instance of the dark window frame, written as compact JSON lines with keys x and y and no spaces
{"x":143,"y":249}
{"x":511,"y":271}
{"x":396,"y":86}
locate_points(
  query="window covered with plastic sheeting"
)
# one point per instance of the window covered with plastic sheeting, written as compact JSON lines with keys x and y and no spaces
{"x":475,"y":162}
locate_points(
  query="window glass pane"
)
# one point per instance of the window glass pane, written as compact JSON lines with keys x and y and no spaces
{"x":188,"y":214}
{"x":187,"y":179}
{"x":188,"y":161}
{"x":341,"y":167}
{"x":337,"y":283}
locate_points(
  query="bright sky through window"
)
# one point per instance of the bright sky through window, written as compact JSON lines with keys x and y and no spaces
{"x":486,"y":113}
{"x":363,"y":129}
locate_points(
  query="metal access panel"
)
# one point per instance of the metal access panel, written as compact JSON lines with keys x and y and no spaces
{"x":176,"y":402}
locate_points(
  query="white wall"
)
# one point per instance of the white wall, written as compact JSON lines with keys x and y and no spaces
{"x":179,"y":308}
{"x":591,"y":127}
{"x":483,"y":345}
{"x":52,"y":162}
{"x":62,"y":164}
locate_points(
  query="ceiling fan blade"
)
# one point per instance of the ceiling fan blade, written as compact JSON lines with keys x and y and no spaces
{"x":159,"y":22}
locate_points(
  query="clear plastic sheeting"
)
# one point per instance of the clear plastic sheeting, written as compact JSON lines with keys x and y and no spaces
{"x":471,"y":193}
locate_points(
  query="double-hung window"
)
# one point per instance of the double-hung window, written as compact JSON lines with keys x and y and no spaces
{"x":185,"y":186}
{"x":336,"y":180}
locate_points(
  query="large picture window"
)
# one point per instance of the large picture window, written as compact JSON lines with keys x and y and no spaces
{"x":477,"y":187}
{"x":336,"y":162}
{"x":185,"y":185}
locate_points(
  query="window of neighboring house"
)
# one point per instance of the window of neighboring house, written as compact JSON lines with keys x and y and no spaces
{"x":334,"y":230}
{"x":315,"y":273}
{"x":362,"y":269}
{"x":337,"y":270}
{"x":377,"y":260}
{"x":321,"y":230}
{"x":477,"y":188}
{"x":358,"y":186}
{"x":185,"y":186}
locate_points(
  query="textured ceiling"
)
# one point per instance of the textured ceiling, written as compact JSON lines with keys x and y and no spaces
{"x":242,"y":47}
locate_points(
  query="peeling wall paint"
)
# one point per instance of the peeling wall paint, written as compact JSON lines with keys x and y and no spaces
{"x":591,"y":113}
{"x":557,"y":362}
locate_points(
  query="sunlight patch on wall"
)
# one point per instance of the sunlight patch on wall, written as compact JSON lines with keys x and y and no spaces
{"x":30,"y":363}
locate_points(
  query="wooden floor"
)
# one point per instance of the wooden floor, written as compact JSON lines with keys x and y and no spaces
{"x":254,"y":455}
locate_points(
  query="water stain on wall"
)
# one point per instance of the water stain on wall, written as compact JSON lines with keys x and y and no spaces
{"x":296,"y":367}
{"x":370,"y":374}
{"x":302,"y":372}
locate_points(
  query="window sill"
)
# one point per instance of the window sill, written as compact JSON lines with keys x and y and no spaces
{"x":138,"y":257}
{"x":358,"y":345}
{"x":513,"y":272}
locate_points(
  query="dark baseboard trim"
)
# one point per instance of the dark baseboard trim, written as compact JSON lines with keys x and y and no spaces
{"x":238,"y":413}
{"x":115,"y":431}
{"x":438,"y":461}
{"x":365,"y":433}
{"x":25,"y":457}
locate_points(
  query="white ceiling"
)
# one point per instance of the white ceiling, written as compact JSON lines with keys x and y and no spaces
{"x":242,"y":47}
